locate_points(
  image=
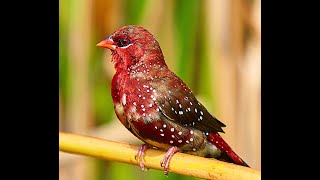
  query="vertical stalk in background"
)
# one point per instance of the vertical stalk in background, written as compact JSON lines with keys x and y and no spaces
{"x":249,"y":76}
{"x":206,"y":51}
{"x":223,"y":71}
{"x":64,"y":77}
{"x":237,"y":93}
{"x":186,"y":23}
{"x":78,"y":102}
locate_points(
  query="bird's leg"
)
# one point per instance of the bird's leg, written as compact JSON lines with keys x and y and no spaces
{"x":140,"y":154}
{"x":167,"y":157}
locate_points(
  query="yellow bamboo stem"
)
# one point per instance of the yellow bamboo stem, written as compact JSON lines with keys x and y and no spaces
{"x":180,"y":163}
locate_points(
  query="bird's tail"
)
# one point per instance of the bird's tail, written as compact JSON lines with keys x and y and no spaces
{"x":227,"y":153}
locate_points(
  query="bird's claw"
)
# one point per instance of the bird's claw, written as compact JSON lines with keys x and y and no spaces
{"x":166,"y":159}
{"x":140,"y":155}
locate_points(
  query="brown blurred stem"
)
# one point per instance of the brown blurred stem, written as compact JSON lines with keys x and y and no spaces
{"x":180,"y":163}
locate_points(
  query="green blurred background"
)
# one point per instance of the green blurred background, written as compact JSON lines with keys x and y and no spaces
{"x":213,"y":45}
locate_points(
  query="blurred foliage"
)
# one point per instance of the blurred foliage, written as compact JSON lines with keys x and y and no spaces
{"x":134,"y":11}
{"x":192,"y":62}
{"x":101,"y":89}
{"x":186,"y":21}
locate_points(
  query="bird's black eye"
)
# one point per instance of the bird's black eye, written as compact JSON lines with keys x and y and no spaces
{"x":123,"y":42}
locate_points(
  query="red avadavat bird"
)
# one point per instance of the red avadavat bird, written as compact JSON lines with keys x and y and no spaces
{"x":156,"y":105}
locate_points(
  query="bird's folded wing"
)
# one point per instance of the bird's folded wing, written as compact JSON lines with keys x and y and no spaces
{"x":180,"y":105}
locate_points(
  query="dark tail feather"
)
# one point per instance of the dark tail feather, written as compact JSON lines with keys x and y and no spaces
{"x":225,"y":157}
{"x":228,"y":154}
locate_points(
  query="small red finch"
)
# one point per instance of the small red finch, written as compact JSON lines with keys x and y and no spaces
{"x":156,"y":106}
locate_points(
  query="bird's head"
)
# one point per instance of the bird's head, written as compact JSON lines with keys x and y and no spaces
{"x":132,"y":46}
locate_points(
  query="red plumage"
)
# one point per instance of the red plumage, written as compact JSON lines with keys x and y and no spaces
{"x":156,"y":105}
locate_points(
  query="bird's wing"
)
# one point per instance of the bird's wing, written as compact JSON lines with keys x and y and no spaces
{"x":180,"y":105}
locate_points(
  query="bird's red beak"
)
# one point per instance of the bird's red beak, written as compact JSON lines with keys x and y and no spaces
{"x":107,"y":43}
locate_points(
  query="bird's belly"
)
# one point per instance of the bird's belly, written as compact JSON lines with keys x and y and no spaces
{"x":157,"y":144}
{"x":154,"y":129}
{"x":163,"y":135}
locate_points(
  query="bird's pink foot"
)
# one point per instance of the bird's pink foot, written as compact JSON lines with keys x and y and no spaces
{"x":167,"y":157}
{"x":140,"y":155}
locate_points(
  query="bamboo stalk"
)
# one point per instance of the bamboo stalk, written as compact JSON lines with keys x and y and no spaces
{"x":180,"y":163}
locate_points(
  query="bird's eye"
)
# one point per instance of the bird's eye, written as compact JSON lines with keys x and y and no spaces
{"x":123,"y":42}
